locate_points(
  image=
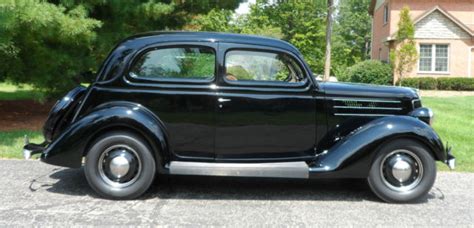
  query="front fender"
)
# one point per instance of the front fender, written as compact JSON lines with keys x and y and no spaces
{"x":352,"y":155}
{"x":69,"y":148}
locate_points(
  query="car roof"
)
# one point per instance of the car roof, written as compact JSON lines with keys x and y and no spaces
{"x":184,"y":36}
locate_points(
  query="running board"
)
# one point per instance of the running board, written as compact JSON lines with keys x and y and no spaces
{"x":279,"y":170}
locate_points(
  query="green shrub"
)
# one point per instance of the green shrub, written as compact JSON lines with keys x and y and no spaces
{"x":456,"y":84}
{"x":428,"y":83}
{"x":445,"y":83}
{"x":343,"y":77}
{"x":411,"y":82}
{"x":370,"y":71}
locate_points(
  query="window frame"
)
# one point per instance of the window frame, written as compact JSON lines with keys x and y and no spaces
{"x":142,"y":52}
{"x":385,"y":14}
{"x":259,"y":83}
{"x":433,"y":59}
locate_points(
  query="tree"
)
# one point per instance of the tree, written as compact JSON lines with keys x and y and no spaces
{"x":222,"y":20}
{"x":125,"y":18}
{"x":44,"y":44}
{"x":327,"y":57}
{"x":52,"y":43}
{"x":405,"y":55}
{"x":352,"y":31}
{"x":300,"y":22}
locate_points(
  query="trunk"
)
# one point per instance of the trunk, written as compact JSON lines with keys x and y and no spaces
{"x":62,"y":112}
{"x":327,"y":64}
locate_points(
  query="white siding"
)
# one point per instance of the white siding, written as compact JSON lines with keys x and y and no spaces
{"x":438,"y":26}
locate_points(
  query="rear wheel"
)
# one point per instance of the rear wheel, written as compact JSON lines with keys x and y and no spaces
{"x":120,"y":165}
{"x":403,"y":171}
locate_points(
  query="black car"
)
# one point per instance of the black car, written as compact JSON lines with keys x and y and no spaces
{"x":215,"y":104}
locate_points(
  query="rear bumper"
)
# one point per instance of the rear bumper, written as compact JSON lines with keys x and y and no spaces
{"x":59,"y":159}
{"x":30,"y":149}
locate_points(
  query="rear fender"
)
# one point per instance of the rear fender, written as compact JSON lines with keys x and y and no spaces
{"x":59,"y":116}
{"x":69,"y":148}
{"x":352,"y":155}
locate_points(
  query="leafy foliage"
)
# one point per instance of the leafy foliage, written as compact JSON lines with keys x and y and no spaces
{"x":404,"y":57}
{"x":44,"y":44}
{"x":299,"y":22}
{"x":352,"y":29}
{"x":456,"y":84}
{"x":53,"y":44}
{"x":370,"y":71}
{"x":443,"y":83}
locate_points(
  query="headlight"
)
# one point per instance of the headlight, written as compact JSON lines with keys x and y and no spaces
{"x":424,"y":114}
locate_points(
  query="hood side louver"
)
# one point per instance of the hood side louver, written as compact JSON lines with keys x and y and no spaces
{"x":366,"y":107}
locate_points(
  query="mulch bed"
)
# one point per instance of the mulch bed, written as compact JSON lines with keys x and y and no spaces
{"x":23,"y":114}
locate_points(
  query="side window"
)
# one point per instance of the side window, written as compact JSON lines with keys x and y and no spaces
{"x":176,"y":63}
{"x":385,"y":14}
{"x":260,"y":66}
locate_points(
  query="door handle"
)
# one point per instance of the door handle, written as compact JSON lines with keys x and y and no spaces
{"x":222,"y":100}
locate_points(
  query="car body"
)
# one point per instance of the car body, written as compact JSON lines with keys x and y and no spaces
{"x":195,"y":103}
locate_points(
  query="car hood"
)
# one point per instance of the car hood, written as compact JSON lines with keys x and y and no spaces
{"x":367,"y":90}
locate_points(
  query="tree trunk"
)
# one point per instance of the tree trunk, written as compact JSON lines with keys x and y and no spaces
{"x":327,"y":64}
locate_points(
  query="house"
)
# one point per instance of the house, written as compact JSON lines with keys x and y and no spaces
{"x":444,"y":35}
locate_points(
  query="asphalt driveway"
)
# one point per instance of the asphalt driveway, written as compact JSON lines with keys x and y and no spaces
{"x":33,"y":193}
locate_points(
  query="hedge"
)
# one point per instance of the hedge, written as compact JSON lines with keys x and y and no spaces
{"x":444,"y":83}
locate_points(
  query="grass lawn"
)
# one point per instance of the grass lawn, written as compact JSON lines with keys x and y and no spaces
{"x":454,"y":122}
{"x":12,"y":92}
{"x":11,"y":142}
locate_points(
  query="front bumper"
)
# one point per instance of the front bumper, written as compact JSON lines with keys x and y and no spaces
{"x":450,"y":159}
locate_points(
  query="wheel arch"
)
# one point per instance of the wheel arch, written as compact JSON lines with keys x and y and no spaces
{"x":416,"y":138}
{"x":69,"y":148}
{"x":350,"y":156}
{"x":161,"y":157}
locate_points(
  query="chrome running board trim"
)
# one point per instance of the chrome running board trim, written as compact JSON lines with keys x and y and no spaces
{"x":278,"y":170}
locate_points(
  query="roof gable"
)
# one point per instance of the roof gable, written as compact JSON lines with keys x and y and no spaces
{"x":438,"y":25}
{"x":438,"y":9}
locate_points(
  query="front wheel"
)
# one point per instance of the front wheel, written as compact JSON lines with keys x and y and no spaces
{"x":120,"y":165}
{"x":403,"y":171}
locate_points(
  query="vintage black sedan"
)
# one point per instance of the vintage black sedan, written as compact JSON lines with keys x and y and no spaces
{"x":216,"y":104}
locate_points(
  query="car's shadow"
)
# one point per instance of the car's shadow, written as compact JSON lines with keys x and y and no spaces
{"x":73,"y":182}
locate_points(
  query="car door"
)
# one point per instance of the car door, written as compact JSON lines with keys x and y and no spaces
{"x":266,"y":107}
{"x":176,"y":81}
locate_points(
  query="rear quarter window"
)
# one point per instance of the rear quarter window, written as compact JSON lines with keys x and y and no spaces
{"x":196,"y":63}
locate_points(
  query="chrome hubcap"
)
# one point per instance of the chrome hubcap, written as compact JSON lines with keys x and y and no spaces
{"x":119,"y":166}
{"x":401,"y":170}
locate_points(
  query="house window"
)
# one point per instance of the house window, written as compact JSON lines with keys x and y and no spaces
{"x":433,"y":58}
{"x":385,"y":14}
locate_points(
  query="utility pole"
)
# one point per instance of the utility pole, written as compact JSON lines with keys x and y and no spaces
{"x":327,"y":63}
